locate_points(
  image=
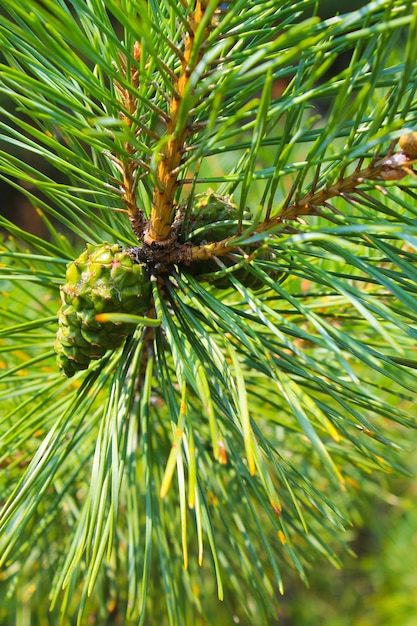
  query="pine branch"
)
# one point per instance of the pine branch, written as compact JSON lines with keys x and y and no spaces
{"x":128,"y":167}
{"x":267,"y":368}
{"x":177,"y":129}
{"x":393,"y":167}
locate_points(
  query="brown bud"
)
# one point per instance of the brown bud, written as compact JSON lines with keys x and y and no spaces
{"x":392,"y":168}
{"x":408,"y":144}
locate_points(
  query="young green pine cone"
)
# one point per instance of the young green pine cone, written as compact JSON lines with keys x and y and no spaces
{"x":104,"y":279}
{"x":214,"y":218}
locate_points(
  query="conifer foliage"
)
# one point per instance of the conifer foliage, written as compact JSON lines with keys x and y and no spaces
{"x":228,"y":284}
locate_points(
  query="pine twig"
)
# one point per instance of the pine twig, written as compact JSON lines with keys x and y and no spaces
{"x":159,"y":227}
{"x":128,"y":167}
{"x":392,"y":167}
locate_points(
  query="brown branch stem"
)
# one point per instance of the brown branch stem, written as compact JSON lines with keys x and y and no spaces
{"x":393,"y":167}
{"x":128,"y":166}
{"x":159,"y":227}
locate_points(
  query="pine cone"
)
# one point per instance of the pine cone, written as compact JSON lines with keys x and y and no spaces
{"x":104,"y":279}
{"x":214,"y":218}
